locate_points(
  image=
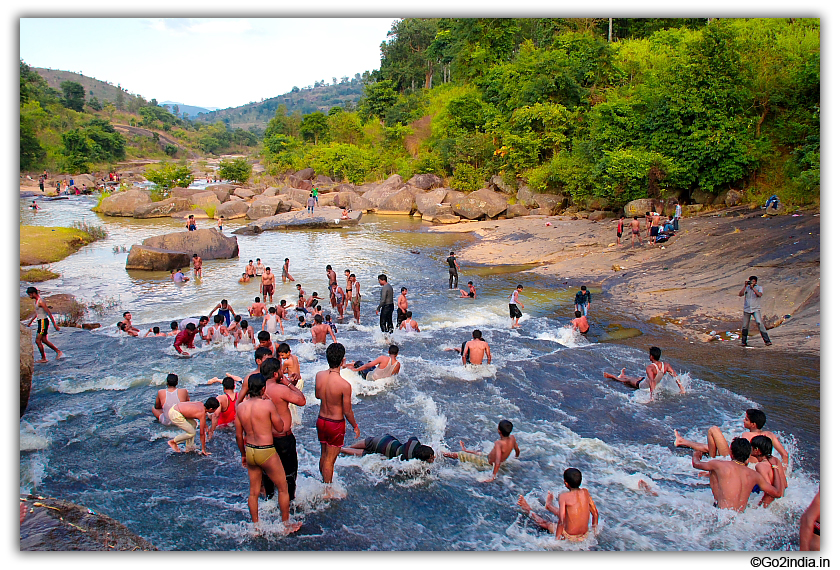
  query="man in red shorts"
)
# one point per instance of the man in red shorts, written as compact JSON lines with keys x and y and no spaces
{"x":334,"y":393}
{"x":268,"y":285}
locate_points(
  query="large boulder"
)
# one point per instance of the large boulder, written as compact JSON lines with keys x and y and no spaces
{"x":426,"y":181}
{"x":27,"y":365}
{"x":244,"y":193}
{"x":516,"y":210}
{"x":294,"y":194}
{"x":453,"y":196}
{"x":322,"y":180}
{"x":306,"y":174}
{"x":400,"y":202}
{"x":233,"y":209}
{"x":124,"y":203}
{"x":734,"y":197}
{"x":162,"y":209}
{"x":429,"y":202}
{"x":144,"y":258}
{"x":703,"y":197}
{"x":196,"y":213}
{"x":379,"y":193}
{"x":344,"y":188}
{"x":599,"y":215}
{"x":299,"y":183}
{"x":185,"y":192}
{"x":498,"y":183}
{"x":526,"y":197}
{"x":264,"y":207}
{"x":547,"y":201}
{"x":641,"y":206}
{"x":270,"y":191}
{"x":207,"y":243}
{"x":222,"y":191}
{"x":56,"y":525}
{"x":323,"y":218}
{"x":350,"y":200}
{"x":481,"y":203}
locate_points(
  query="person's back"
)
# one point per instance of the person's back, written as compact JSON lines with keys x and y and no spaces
{"x":476,"y":349}
{"x":330,"y":389}
{"x":576,"y":505}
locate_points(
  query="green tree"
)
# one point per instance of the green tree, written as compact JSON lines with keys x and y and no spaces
{"x":378,"y":98}
{"x":315,"y":126}
{"x":170,"y":175}
{"x":74,"y":95}
{"x":237,"y":170}
{"x":120,"y":99}
{"x":31,"y":151}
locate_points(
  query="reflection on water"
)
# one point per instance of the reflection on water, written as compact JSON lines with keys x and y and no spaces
{"x":89,"y":435}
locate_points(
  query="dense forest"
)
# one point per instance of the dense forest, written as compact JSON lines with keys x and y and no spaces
{"x":603,"y":111}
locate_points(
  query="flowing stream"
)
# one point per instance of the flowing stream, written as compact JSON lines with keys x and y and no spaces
{"x":89,"y":436}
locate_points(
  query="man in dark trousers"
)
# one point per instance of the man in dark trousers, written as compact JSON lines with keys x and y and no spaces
{"x":386,"y":305}
{"x":453,"y":270}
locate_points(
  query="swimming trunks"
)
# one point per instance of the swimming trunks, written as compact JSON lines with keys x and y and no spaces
{"x":268,"y":290}
{"x":635,"y":232}
{"x":756,"y":489}
{"x":43,"y":325}
{"x":574,"y":537}
{"x":257,"y":455}
{"x":515,"y":313}
{"x":226,"y":314}
{"x":331,"y":431}
{"x":475,"y":459}
{"x":401,"y":316}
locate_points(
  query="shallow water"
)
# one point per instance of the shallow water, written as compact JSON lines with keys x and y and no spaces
{"x":89,"y":435}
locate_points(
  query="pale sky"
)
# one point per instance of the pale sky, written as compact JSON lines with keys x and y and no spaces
{"x":206,"y":62}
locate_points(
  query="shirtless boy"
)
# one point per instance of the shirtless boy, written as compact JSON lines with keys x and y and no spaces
{"x":468,"y":294}
{"x":282,"y":392}
{"x":340,"y":301}
{"x":184,"y":415}
{"x":250,"y":270}
{"x":290,"y":367}
{"x":382,"y":367}
{"x":354,"y":296}
{"x":332,"y":283}
{"x":286,"y":274}
{"x":635,"y":231}
{"x":260,"y":355}
{"x":409,"y":324}
{"x":770,"y":467}
{"x":579,"y":323}
{"x":654,"y":373}
{"x":402,"y":306}
{"x":334,"y":392}
{"x":44,"y":316}
{"x":254,"y":423}
{"x":320,"y":330}
{"x":500,"y":452}
{"x":268,"y":285}
{"x":475,"y":349}
{"x":173,"y":329}
{"x":572,"y":510}
{"x":196,"y":265}
{"x":732,"y":482}
{"x":154,"y":331}
{"x":129,"y":328}
{"x":754,"y":421}
{"x":257,"y":308}
{"x":245,"y":278}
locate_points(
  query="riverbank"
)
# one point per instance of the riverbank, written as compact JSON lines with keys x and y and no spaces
{"x":687,"y":286}
{"x":43,"y":244}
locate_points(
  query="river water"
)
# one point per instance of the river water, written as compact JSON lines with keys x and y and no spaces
{"x":89,"y":436}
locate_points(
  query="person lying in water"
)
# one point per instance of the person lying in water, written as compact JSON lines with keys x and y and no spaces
{"x":390,"y":447}
{"x":572,"y":510}
{"x":732,"y":482}
{"x":654,"y":374}
{"x":500,"y":452}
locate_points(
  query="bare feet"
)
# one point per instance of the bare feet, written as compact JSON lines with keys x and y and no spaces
{"x":174,"y":446}
{"x":524,"y":504}
{"x":679,"y":441}
{"x":59,"y":355}
{"x":646,"y":488}
{"x":42,"y":361}
{"x":292,"y":527}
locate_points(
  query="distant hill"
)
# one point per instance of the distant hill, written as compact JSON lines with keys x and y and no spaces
{"x":255,"y":116}
{"x":191,"y":110}
{"x":102,"y":90}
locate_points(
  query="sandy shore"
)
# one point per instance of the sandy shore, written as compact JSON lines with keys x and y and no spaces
{"x":687,"y":288}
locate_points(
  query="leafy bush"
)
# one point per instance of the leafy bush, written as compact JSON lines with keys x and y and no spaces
{"x":467,"y":178}
{"x":342,"y":161}
{"x":170,"y":175}
{"x":238,"y":170}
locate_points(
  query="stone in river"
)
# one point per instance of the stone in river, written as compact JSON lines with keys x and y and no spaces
{"x":163,"y":208}
{"x":233,"y":209}
{"x":124,"y":203}
{"x":323,"y":218}
{"x":145,"y":258}
{"x":207,"y":243}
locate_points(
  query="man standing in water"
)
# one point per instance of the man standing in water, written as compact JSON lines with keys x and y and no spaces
{"x":44,"y":316}
{"x":320,"y":330}
{"x":268,"y":285}
{"x":573,"y":509}
{"x":752,"y":308}
{"x":282,"y":392}
{"x":386,"y":305}
{"x":334,"y":392}
{"x":732,"y":482}
{"x":332,"y":283}
{"x":582,"y":300}
{"x":286,"y":274}
{"x":354,"y":296}
{"x":402,"y":306}
{"x":255,"y":419}
{"x":515,"y":313}
{"x":453,"y":270}
{"x":475,"y":349}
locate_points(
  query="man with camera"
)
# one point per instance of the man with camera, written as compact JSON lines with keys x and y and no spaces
{"x":752,"y":308}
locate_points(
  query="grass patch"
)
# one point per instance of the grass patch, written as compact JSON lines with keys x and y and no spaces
{"x":102,"y":195}
{"x":209,"y":209}
{"x":38,"y":274}
{"x":40,"y":244}
{"x":95,"y":232}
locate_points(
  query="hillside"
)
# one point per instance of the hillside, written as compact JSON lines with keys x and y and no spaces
{"x":102,"y":90}
{"x":322,"y":97}
{"x":191,"y":110}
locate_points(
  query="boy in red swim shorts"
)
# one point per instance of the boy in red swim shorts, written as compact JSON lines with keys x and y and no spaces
{"x":334,"y":392}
